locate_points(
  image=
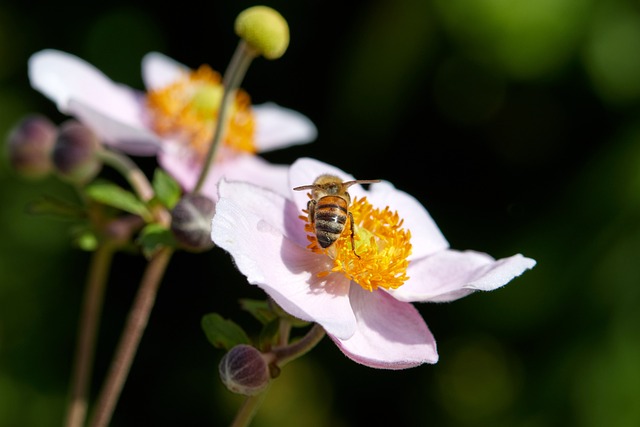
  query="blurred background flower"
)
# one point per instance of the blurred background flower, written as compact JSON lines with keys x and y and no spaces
{"x":524,"y":121}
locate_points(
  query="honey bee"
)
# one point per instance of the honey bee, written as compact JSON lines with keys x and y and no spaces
{"x":329,"y":207}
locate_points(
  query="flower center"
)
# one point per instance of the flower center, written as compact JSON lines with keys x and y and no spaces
{"x":382,"y":247}
{"x":187,"y":109}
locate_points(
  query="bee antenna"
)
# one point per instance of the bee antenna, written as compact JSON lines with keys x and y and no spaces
{"x":305,"y":187}
{"x":360,"y":181}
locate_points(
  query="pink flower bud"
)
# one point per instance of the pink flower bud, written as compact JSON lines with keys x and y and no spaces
{"x":29,"y":146}
{"x":244,"y":370}
{"x":75,"y":152}
{"x":191,"y":222}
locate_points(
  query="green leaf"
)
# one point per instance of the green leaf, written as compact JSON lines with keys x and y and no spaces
{"x":259,"y":309}
{"x":47,"y":205}
{"x":166,"y":189}
{"x":223,"y":333}
{"x":153,"y":237}
{"x":113,"y":195}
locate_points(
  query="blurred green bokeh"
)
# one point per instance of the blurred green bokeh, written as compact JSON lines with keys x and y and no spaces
{"x":516,"y":123}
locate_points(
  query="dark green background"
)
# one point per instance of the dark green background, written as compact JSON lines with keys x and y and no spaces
{"x":516,"y":123}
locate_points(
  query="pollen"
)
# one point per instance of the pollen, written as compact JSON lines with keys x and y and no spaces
{"x":382,"y":246}
{"x":188,"y":108}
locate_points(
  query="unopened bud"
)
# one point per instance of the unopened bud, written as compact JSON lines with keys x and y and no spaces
{"x":264,"y":29}
{"x":29,"y":146}
{"x":191,"y":222}
{"x":244,"y":370}
{"x":75,"y":152}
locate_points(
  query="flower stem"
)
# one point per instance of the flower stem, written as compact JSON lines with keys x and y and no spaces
{"x":133,"y":174}
{"x":248,"y":410}
{"x":233,"y":76}
{"x":284,"y":331}
{"x":136,"y":178}
{"x":282,"y":355}
{"x":130,"y":339}
{"x":87,"y":332}
{"x":286,"y":354}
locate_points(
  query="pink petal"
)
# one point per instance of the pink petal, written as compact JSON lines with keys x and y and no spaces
{"x":282,"y":268}
{"x":115,"y":133}
{"x":426,"y":237}
{"x":159,"y":70}
{"x":236,"y":167}
{"x":450,"y":275}
{"x":113,"y":111}
{"x":390,"y":334}
{"x":270,"y":209}
{"x":279,"y":127}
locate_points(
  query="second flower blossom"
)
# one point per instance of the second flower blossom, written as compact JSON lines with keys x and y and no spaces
{"x":174,"y":119}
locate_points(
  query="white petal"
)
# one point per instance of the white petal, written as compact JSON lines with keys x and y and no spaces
{"x":285,"y":270}
{"x":135,"y":140}
{"x":390,"y":334}
{"x":259,"y":201}
{"x":185,"y":168}
{"x":64,"y":77}
{"x":450,"y":275}
{"x":426,"y":237}
{"x":113,"y":111}
{"x":159,"y":70}
{"x":279,"y":127}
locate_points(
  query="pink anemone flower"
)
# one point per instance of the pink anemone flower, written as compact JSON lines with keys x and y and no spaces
{"x":174,"y":119}
{"x":361,"y":295}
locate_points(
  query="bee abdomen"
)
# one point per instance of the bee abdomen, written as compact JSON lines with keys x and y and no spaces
{"x":330,"y":219}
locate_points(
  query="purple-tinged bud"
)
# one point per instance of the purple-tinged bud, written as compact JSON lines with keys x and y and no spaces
{"x":29,"y":146}
{"x":244,"y":370}
{"x":75,"y":154}
{"x":191,"y":222}
{"x":121,"y":230}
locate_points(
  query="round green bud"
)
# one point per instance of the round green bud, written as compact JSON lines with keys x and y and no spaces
{"x":264,"y":30}
{"x":29,"y":146}
{"x":75,"y":154}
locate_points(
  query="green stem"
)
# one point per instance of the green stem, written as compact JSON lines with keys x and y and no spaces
{"x":248,"y":410}
{"x":233,"y":76}
{"x":286,"y":354}
{"x":137,"y":179}
{"x":285,"y":331}
{"x":132,"y":173}
{"x":130,"y":339}
{"x":87,"y":333}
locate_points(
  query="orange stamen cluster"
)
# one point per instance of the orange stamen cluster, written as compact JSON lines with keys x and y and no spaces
{"x":188,"y":110}
{"x":381,"y":252}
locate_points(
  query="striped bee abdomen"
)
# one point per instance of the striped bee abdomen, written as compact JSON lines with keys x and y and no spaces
{"x":330,"y":217}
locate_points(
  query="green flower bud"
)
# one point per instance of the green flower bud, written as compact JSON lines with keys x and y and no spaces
{"x":244,"y":370}
{"x":29,"y":146}
{"x":263,"y":29}
{"x":75,"y":153}
{"x":191,"y":222}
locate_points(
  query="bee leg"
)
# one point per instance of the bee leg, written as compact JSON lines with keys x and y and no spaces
{"x":352,"y":227}
{"x":311,"y":209}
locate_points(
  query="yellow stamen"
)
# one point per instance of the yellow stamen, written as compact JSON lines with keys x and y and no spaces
{"x":381,"y":252}
{"x":188,"y":110}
